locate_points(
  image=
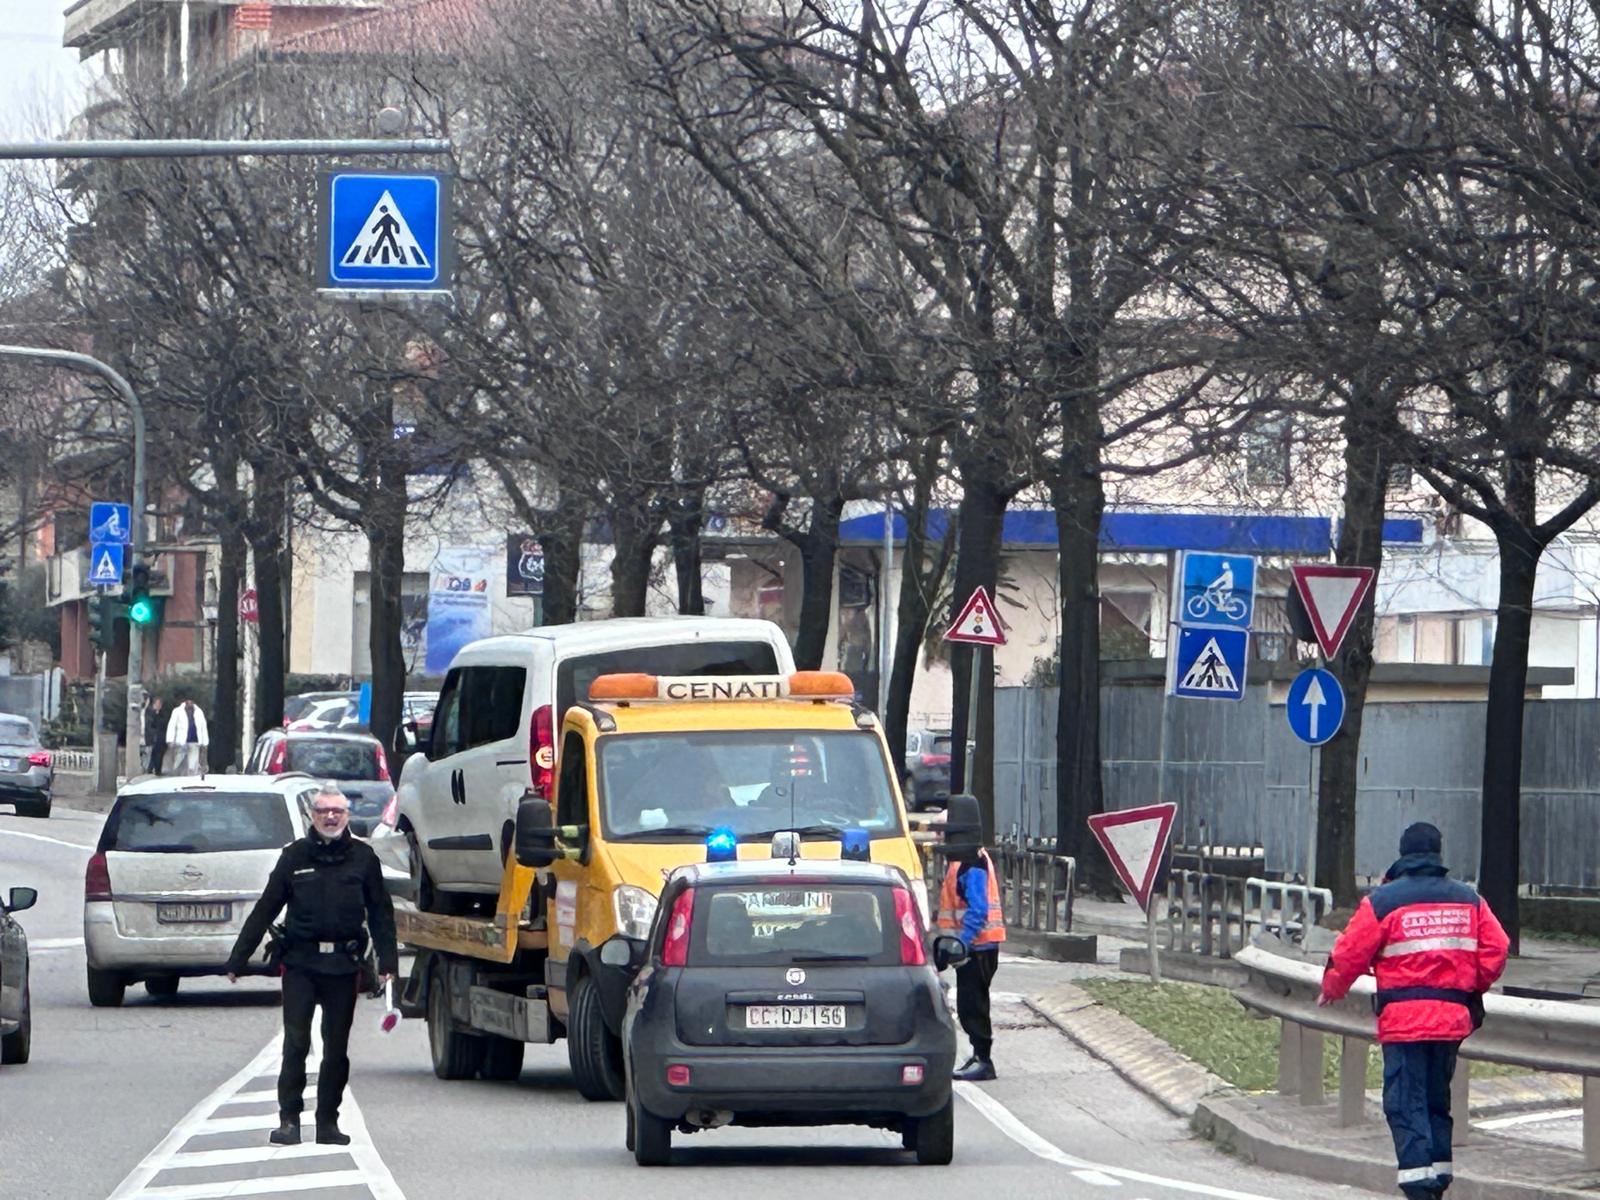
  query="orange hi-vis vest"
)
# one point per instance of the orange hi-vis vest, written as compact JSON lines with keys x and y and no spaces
{"x":953,"y":908}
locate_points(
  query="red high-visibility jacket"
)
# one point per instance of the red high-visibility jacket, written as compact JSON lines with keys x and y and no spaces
{"x":1433,"y":945}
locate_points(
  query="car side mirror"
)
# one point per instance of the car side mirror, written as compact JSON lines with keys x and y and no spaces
{"x":948,"y":952}
{"x":535,"y":841}
{"x":21,"y":898}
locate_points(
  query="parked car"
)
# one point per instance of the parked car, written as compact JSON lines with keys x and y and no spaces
{"x":327,"y":713}
{"x":355,"y":761}
{"x":787,"y":994}
{"x":27,"y":773}
{"x":16,"y":1006}
{"x":179,"y":864}
{"x":296,"y":706}
{"x":927,"y":783}
{"x":495,"y":729}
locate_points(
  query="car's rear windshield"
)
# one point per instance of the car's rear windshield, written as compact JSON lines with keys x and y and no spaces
{"x":14,"y":732}
{"x":575,"y":674}
{"x":330,"y":759}
{"x":198,"y":823}
{"x":756,"y":926}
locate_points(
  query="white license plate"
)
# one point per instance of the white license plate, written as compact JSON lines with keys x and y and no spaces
{"x":188,"y":914}
{"x":794,"y":1016}
{"x":8,"y":764}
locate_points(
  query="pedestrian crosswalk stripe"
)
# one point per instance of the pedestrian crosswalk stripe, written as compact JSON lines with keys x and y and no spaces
{"x":250,"y":1154}
{"x":271,"y":1186}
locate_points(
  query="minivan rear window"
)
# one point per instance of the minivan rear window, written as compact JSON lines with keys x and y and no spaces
{"x":198,"y":823}
{"x":329,"y":759}
{"x":756,"y":926}
{"x":574,"y":675}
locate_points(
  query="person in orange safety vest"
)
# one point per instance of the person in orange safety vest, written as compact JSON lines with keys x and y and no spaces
{"x":970,"y":909}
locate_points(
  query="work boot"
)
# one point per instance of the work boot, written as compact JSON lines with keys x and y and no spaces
{"x":286,"y":1134}
{"x":972,"y":1061}
{"x":328,"y":1134}
{"x":981,"y":1070}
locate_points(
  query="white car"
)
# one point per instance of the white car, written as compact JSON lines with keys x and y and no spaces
{"x":494,"y":730}
{"x":179,"y":865}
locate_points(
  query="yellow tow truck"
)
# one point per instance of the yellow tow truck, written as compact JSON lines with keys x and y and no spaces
{"x":649,"y":772}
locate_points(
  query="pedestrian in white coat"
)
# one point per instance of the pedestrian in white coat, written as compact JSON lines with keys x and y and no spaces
{"x":187,"y":738}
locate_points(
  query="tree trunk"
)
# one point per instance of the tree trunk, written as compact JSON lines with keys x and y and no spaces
{"x":635,"y":530}
{"x":1366,"y":468}
{"x":819,"y":550}
{"x":1500,"y":862}
{"x":386,"y":559}
{"x":224,"y":720}
{"x":919,"y":584}
{"x":684,"y":522}
{"x":266,"y":542}
{"x":980,"y":527}
{"x":1078,"y":496}
{"x":562,"y":537}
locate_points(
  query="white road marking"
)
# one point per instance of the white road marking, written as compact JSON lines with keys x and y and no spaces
{"x":39,"y":837}
{"x":54,"y":943}
{"x":1097,"y":1177}
{"x":202,"y":1121}
{"x":1003,"y":1119}
{"x":1533,"y":1118}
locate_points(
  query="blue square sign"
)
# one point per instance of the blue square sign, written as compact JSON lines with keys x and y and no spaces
{"x":1217,"y":590}
{"x":110,"y":523}
{"x":384,"y":230}
{"x":1210,"y":664}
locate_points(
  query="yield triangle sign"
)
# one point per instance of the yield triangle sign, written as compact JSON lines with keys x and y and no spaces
{"x":1135,"y":840}
{"x":978,"y":623}
{"x":1332,"y":595}
{"x":385,"y":239}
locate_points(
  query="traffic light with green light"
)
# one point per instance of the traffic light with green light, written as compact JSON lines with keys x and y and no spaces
{"x":143,"y":608}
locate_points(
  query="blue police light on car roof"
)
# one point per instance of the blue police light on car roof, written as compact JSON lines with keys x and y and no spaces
{"x":856,"y":846}
{"x":722,"y":846}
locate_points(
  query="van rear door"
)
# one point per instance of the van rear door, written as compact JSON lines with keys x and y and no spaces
{"x":696,"y":657}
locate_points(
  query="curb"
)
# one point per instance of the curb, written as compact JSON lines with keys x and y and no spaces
{"x":1055,"y":947}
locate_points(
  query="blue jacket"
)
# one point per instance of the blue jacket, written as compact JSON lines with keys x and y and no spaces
{"x":974,"y":884}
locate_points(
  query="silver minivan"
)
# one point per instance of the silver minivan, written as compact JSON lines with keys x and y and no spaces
{"x":495,"y":728}
{"x":179,"y":865}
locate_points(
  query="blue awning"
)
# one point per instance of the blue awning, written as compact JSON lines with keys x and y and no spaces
{"x":1035,"y":528}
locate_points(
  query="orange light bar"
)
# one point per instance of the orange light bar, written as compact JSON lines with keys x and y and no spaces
{"x":821,"y":685}
{"x":635,"y":686}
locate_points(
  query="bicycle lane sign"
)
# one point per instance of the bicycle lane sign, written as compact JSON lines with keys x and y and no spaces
{"x":1218,"y":590}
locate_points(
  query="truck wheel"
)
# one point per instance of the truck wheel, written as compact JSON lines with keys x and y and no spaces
{"x":652,"y":1137}
{"x":935,"y":1136}
{"x":593,"y":1051}
{"x":14,"y":1047}
{"x":502,"y":1059}
{"x":106,"y":988}
{"x":456,"y":1055}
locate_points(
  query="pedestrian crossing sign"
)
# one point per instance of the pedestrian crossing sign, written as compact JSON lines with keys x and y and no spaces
{"x":1209,"y":664}
{"x":105,"y":564}
{"x":385,"y":231}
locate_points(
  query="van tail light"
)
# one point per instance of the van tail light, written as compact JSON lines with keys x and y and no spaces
{"x":905,"y":914}
{"x":675,"y":952}
{"x":542,"y":751}
{"x":97,"y":878}
{"x":936,"y":760}
{"x":391,"y":812}
{"x":383,"y":763}
{"x":279,"y":759}
{"x":39,"y":758}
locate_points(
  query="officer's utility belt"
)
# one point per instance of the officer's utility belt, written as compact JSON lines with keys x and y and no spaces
{"x":1471,"y":1001}
{"x":351,"y":946}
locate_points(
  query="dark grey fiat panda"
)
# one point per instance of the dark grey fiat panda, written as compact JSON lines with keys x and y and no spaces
{"x":789,"y":992}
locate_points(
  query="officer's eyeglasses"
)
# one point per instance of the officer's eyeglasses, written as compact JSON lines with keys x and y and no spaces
{"x":328,"y":812}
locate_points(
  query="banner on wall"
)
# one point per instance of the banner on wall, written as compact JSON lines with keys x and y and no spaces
{"x":458,"y":603}
{"x":524,"y":565}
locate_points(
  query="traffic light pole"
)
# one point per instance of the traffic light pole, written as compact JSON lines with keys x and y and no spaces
{"x":124,"y":389}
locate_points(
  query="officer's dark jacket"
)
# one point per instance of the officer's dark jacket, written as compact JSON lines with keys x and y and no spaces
{"x":334,"y":892}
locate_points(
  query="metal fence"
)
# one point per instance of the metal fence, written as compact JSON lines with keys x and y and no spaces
{"x":1240,"y":778}
{"x":1218,"y":915}
{"x":1036,"y":885}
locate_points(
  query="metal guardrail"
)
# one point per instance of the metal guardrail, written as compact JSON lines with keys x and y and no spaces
{"x":1036,"y":885}
{"x":1541,"y":1035}
{"x":1217,"y":915}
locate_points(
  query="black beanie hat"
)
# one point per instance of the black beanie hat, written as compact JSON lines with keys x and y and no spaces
{"x":1421,"y":838}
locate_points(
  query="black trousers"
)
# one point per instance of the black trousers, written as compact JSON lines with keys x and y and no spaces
{"x":972,"y":999}
{"x":1416,"y":1101}
{"x":302,"y":992}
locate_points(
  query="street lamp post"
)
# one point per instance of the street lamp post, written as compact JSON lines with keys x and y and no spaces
{"x":125,"y":390}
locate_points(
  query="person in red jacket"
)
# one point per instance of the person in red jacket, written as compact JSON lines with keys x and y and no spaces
{"x":1435,"y":948}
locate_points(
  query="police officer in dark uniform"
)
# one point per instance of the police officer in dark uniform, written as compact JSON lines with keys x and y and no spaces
{"x":333,"y":887}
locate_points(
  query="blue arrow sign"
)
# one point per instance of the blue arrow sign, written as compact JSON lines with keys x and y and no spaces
{"x":105,"y":564}
{"x":1217,"y":590}
{"x":385,"y":231}
{"x":110,"y":523}
{"x":1210,"y":664}
{"x":1316,"y":706}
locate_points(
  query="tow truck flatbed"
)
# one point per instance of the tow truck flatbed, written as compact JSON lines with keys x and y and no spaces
{"x":495,"y":938}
